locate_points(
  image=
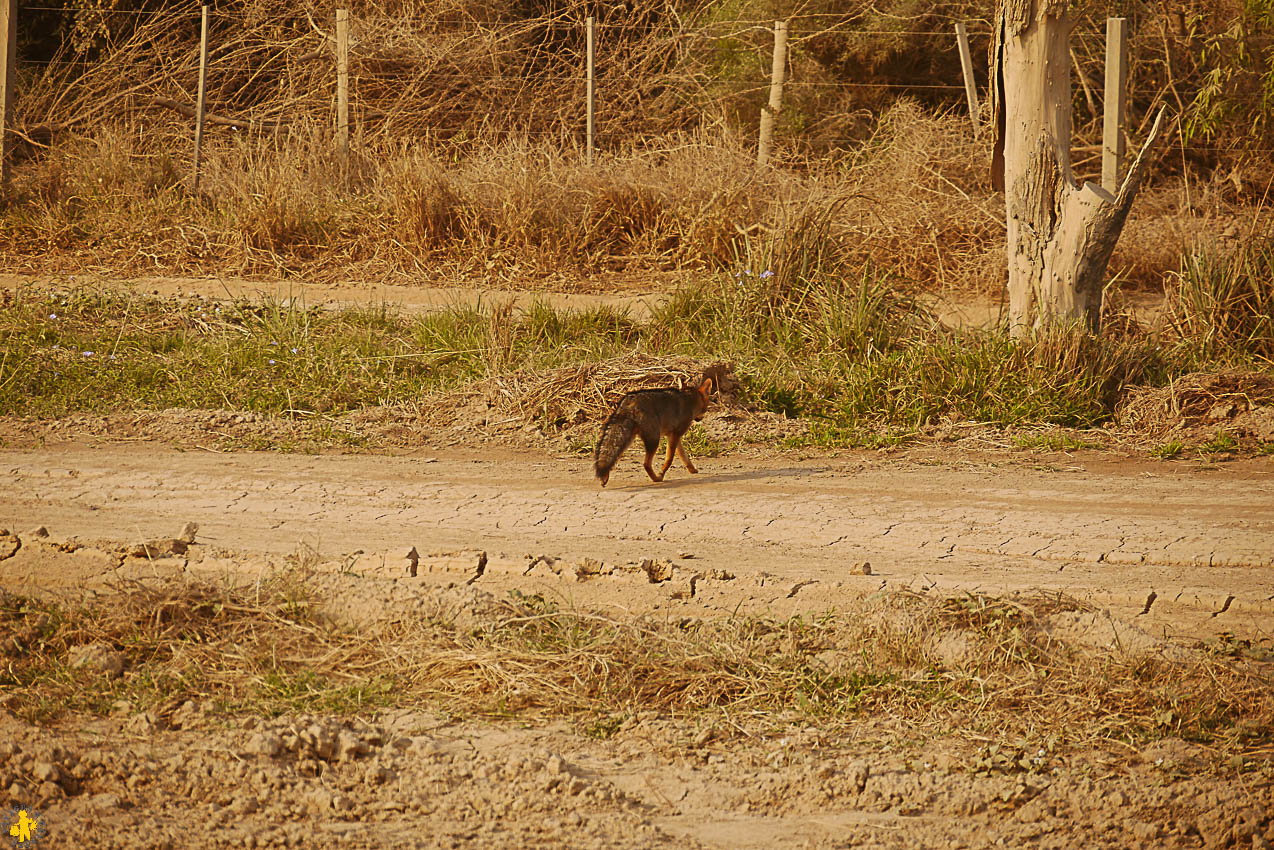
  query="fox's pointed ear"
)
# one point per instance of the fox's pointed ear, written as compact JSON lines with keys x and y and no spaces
{"x":705,"y":387}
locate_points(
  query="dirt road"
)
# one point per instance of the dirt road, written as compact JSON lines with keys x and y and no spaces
{"x":1177,"y":550}
{"x":1169,"y":550}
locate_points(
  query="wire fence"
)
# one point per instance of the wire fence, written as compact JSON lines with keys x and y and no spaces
{"x":462,"y":78}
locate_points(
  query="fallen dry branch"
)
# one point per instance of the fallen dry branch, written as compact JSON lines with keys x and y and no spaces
{"x":190,"y":112}
{"x":586,"y":392}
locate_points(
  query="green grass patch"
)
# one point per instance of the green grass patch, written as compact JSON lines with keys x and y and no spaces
{"x":1169,"y":450}
{"x":1220,"y":443}
{"x":847,"y":348}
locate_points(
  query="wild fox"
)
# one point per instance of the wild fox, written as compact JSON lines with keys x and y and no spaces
{"x":652,"y":414}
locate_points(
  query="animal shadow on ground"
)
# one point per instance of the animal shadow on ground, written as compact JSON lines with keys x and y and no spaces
{"x":706,"y":478}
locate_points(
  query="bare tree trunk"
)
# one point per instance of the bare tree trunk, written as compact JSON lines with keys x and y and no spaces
{"x":1060,"y":235}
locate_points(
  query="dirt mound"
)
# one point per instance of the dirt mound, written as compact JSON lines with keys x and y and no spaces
{"x":1242,"y":402}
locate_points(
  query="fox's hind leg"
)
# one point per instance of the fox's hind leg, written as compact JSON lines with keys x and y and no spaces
{"x":652,"y":446}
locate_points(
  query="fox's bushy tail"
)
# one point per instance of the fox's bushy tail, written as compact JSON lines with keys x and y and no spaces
{"x":617,"y":433}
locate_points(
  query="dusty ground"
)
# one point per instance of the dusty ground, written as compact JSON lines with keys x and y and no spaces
{"x":636,"y":295}
{"x":1164,"y":556}
{"x":1167,"y":554}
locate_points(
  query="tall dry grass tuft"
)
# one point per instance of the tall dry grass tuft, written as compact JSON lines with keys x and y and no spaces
{"x":1222,"y":305}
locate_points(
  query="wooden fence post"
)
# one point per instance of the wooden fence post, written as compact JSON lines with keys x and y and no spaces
{"x":1112,"y":144}
{"x":342,"y":84}
{"x":8,"y":47}
{"x":778,"y":74}
{"x":589,"y":38}
{"x":970,"y":88}
{"x":199,"y":101}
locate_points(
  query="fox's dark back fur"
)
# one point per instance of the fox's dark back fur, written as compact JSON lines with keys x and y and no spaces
{"x":650,"y":414}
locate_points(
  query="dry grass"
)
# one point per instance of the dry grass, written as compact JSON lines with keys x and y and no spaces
{"x":585,"y":392}
{"x":467,"y":161}
{"x":521,"y":213}
{"x":1194,"y":399}
{"x":266,"y":649}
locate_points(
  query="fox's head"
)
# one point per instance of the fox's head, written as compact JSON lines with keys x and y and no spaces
{"x":701,"y":403}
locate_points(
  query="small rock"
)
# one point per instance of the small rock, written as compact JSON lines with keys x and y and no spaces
{"x":47,"y":771}
{"x":557,"y":765}
{"x":9,"y":544}
{"x":160,"y":547}
{"x":658,"y":571}
{"x":104,"y":802}
{"x":349,"y":745}
{"x":266,"y":744}
{"x":322,"y":738}
{"x":860,"y":568}
{"x":101,"y":657}
{"x":49,"y":791}
{"x":379,"y":775}
{"x":705,"y":736}
{"x":39,"y":532}
{"x":685,"y":588}
{"x":319,"y":800}
{"x":1145,"y":831}
{"x":188,"y":533}
{"x":857,"y":776}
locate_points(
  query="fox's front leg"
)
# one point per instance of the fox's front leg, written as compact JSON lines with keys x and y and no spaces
{"x":674,"y":446}
{"x":685,"y":458}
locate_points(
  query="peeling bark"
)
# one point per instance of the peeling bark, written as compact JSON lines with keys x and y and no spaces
{"x":1060,"y":234}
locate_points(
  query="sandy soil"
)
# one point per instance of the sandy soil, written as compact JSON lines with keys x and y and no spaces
{"x":1168,"y":553}
{"x":956,"y":309}
{"x":1181,"y":552}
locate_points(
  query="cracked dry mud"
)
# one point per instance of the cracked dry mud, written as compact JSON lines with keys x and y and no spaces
{"x":1165,"y":553}
{"x":1202,"y":542}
